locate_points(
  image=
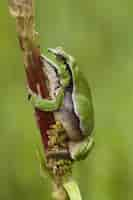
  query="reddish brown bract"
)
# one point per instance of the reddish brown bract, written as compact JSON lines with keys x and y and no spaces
{"x":36,"y":78}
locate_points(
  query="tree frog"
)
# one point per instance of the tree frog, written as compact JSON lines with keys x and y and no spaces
{"x":71,"y":103}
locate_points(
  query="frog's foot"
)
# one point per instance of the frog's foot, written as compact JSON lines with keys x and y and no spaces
{"x":80,"y":150}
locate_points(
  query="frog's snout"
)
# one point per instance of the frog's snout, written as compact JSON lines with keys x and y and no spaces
{"x":53,"y":51}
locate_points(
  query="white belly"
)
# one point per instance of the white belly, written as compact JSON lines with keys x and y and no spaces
{"x":68,"y":118}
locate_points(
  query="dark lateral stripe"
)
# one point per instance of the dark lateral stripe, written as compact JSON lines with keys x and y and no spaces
{"x":64,"y":154}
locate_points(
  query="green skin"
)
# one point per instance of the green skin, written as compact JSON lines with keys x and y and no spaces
{"x":82,"y":102}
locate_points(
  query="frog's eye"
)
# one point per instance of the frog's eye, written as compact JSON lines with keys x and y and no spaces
{"x":58,"y":52}
{"x":60,"y":57}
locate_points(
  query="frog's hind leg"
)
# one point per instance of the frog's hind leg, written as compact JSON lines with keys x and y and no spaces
{"x":80,"y":150}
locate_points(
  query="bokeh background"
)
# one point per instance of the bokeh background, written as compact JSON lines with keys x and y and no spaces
{"x":99,"y":34}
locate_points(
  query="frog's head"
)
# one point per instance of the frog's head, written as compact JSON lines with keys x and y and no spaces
{"x":63,"y":67}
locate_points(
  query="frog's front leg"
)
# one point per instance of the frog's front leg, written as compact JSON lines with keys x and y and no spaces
{"x":47,"y":104}
{"x":79,"y":150}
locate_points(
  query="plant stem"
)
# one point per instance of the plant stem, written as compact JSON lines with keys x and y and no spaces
{"x":59,"y":193}
{"x":23,"y":12}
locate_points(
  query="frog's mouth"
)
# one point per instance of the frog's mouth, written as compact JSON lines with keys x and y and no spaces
{"x":54,"y":69}
{"x":58,"y":53}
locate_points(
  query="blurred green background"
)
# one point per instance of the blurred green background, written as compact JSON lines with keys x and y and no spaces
{"x":99,"y":34}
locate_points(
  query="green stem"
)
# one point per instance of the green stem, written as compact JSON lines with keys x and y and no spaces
{"x":59,"y":193}
{"x":72,"y":190}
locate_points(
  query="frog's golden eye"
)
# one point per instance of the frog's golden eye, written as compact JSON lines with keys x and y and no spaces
{"x":60,"y":58}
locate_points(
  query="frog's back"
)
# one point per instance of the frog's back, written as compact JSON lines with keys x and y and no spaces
{"x":82,"y":100}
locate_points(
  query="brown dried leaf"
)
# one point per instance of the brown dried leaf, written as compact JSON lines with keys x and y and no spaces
{"x":21,"y":8}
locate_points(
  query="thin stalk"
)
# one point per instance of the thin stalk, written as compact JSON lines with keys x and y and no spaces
{"x":23,"y":12}
{"x":63,"y":188}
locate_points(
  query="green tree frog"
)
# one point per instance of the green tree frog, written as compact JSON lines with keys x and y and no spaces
{"x":71,"y":102}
